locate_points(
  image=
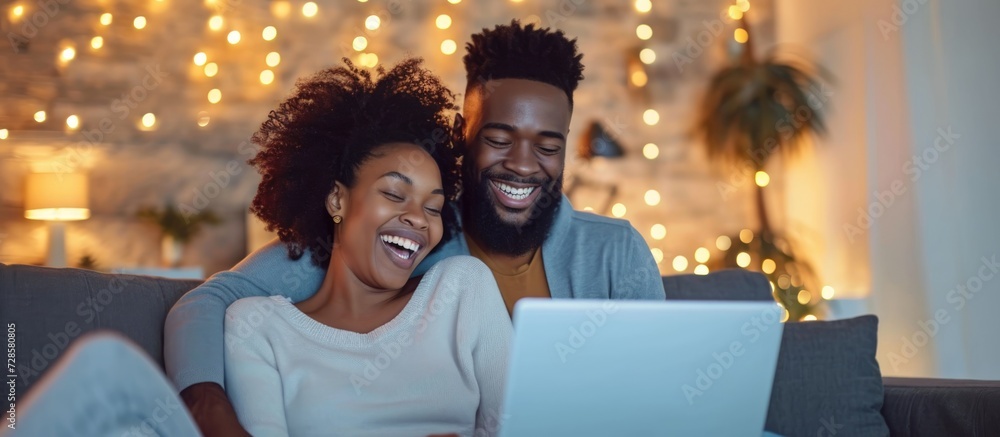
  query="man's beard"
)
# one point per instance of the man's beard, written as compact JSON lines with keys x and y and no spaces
{"x":482,"y":221}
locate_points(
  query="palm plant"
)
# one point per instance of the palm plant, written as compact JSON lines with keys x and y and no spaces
{"x":752,"y":110}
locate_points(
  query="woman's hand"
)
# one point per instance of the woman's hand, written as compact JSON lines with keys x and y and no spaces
{"x":212,"y":411}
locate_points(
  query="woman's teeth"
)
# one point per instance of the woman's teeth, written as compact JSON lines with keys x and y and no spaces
{"x":404,"y":243}
{"x":514,"y":193}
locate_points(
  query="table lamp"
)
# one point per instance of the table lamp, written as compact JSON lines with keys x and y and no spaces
{"x":56,"y":198}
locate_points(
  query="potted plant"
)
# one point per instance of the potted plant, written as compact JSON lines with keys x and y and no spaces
{"x":751,"y":111}
{"x":177,"y":229}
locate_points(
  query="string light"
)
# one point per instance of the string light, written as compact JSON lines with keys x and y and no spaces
{"x":106,"y":19}
{"x":443,"y":21}
{"x":269,"y":33}
{"x":148,"y":120}
{"x":701,"y":255}
{"x":368,"y":60}
{"x":639,"y":78}
{"x":701,"y":269}
{"x":804,"y":297}
{"x":652,"y":198}
{"x":211,"y":69}
{"x":360,"y":43}
{"x":735,"y":12}
{"x":644,"y":32}
{"x":139,"y":22}
{"x":40,"y":116}
{"x":281,"y":8}
{"x":658,"y":231}
{"x":216,"y":22}
{"x":96,"y":42}
{"x":827,"y":292}
{"x":746,"y":236}
{"x":723,"y":242}
{"x":643,"y":6}
{"x":73,"y":122}
{"x":310,"y":9}
{"x":266,"y":77}
{"x":454,"y":2}
{"x":762,"y":179}
{"x":4,"y":133}
{"x":214,"y":96}
{"x":233,"y":37}
{"x":647,"y":56}
{"x":272,"y":59}
{"x":744,"y":5}
{"x":657,"y":254}
{"x":651,"y":117}
{"x":200,"y":58}
{"x":203,"y":119}
{"x":16,"y":12}
{"x":809,"y":318}
{"x":67,"y":54}
{"x":680,"y":263}
{"x":618,"y":210}
{"x":743,"y":259}
{"x":372,"y":22}
{"x":740,"y":35}
{"x":448,"y":46}
{"x":768,"y":266}
{"x":650,"y":151}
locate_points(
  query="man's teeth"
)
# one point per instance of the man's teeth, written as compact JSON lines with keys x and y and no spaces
{"x":405,"y":243}
{"x":514,"y":193}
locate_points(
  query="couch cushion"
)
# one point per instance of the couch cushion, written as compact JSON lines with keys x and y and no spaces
{"x":731,"y":284}
{"x":934,"y":407}
{"x":827,"y":381}
{"x":52,"y":307}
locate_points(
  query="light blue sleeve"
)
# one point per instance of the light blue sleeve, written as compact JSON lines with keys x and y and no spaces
{"x":193,"y":335}
{"x":637,"y":277}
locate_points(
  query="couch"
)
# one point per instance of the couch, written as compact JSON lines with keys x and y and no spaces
{"x":50,"y":308}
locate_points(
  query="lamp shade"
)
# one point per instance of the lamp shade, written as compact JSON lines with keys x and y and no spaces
{"x":56,"y":196}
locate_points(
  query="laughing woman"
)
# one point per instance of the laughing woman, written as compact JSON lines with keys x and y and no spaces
{"x":357,"y":173}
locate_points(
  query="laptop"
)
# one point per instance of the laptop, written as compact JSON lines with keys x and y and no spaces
{"x":640,"y":368}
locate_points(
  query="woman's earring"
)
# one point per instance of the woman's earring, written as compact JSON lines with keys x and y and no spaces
{"x":337,"y":219}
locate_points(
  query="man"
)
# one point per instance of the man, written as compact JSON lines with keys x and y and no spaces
{"x":517,"y":110}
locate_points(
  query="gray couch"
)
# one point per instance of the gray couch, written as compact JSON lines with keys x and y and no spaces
{"x":52,"y":307}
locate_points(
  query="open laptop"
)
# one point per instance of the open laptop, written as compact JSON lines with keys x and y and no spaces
{"x":633,"y":368}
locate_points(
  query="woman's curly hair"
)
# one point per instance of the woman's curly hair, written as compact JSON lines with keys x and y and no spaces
{"x":328,"y":128}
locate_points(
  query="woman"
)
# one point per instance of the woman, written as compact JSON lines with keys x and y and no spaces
{"x":358,"y":172}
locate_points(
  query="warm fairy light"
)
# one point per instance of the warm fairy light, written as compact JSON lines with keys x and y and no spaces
{"x":651,"y":117}
{"x":647,"y":56}
{"x":643,"y":6}
{"x":588,"y":208}
{"x":106,"y":19}
{"x":67,"y":54}
{"x":266,"y":77}
{"x":746,"y":236}
{"x":214,"y":96}
{"x":16,"y":12}
{"x":369,"y":60}
{"x":216,"y":22}
{"x":4,"y":133}
{"x":657,"y":254}
{"x":735,"y":12}
{"x":784,"y":282}
{"x":139,"y":22}
{"x":723,"y":242}
{"x":658,"y":231}
{"x":650,"y":151}
{"x":72,"y":122}
{"x":743,"y":4}
{"x":652,"y":198}
{"x":644,"y":32}
{"x":762,"y":178}
{"x":269,"y":33}
{"x":639,"y":78}
{"x":809,"y":318}
{"x":40,"y":116}
{"x":827,"y":292}
{"x":743,"y":259}
{"x":443,"y":21}
{"x":618,"y":210}
{"x":148,"y":120}
{"x":680,"y":263}
{"x":310,"y":9}
{"x":768,"y":266}
{"x":273,"y":59}
{"x":372,"y":22}
{"x":360,"y":43}
{"x":203,"y":119}
{"x":454,"y":2}
{"x":784,"y":315}
{"x":448,"y":46}
{"x":701,"y":255}
{"x":200,"y":58}
{"x":233,"y":37}
{"x":701,"y":269}
{"x":281,"y":8}
{"x":211,"y":69}
{"x":740,"y":35}
{"x":96,"y":42}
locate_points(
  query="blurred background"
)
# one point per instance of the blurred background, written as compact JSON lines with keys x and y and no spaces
{"x":124,"y":129}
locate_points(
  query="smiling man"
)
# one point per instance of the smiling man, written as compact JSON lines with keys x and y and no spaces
{"x":517,"y":111}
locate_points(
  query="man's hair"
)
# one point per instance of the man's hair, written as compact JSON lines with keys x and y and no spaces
{"x":333,"y":122}
{"x":524,"y":52}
